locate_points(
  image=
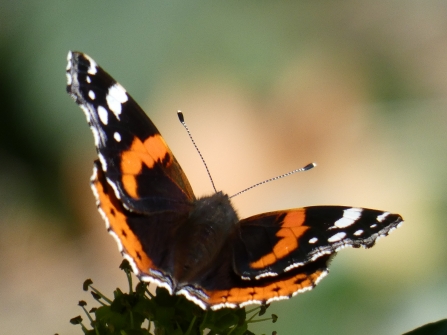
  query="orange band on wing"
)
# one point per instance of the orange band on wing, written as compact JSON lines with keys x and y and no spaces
{"x":291,"y":229}
{"x":118,"y":224}
{"x":281,"y":288}
{"x":153,"y":150}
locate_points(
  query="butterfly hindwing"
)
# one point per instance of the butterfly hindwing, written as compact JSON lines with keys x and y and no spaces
{"x":136,"y":161}
{"x":226,"y":288}
{"x":151,"y":257}
{"x":273,"y":243}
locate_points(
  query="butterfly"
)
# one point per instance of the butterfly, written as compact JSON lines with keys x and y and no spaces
{"x":199,"y":247}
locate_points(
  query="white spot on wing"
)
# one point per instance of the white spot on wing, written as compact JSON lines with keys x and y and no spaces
{"x":358,"y":232}
{"x":132,"y":263}
{"x":95,"y":193}
{"x":86,"y":112}
{"x":117,"y":137}
{"x":337,"y":237}
{"x":292,"y":266}
{"x":279,"y":298}
{"x":308,"y":288}
{"x":313,"y":240}
{"x":251,"y":302}
{"x":374,"y":225}
{"x":266,"y":274}
{"x":93,"y":68}
{"x":104,"y":217}
{"x":343,"y":246}
{"x":69,"y":57}
{"x":103,"y":162}
{"x":69,"y":80}
{"x":95,"y":135}
{"x":156,"y":281}
{"x":382,"y":216}
{"x":88,"y":80}
{"x":194,"y":299}
{"x":229,"y":305}
{"x":350,"y":216}
{"x":115,"y":189}
{"x":319,"y":253}
{"x":92,"y":95}
{"x":118,"y":241}
{"x":115,"y":98}
{"x":103,"y":115}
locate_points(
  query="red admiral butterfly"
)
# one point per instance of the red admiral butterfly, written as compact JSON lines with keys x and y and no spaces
{"x":199,"y":248}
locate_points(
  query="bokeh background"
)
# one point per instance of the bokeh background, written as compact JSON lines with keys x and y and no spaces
{"x":359,"y":87}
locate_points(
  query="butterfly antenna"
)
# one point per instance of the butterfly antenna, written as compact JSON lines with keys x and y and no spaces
{"x":304,"y":168}
{"x":182,"y":120}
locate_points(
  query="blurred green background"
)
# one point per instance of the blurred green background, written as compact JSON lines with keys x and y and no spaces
{"x":359,"y":87}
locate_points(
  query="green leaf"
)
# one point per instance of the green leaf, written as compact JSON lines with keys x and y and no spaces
{"x":171,"y":315}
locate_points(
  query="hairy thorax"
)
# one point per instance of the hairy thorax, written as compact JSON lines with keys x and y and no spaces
{"x":202,"y":238}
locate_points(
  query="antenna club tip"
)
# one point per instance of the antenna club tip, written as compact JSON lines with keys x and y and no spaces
{"x":180,"y":116}
{"x":309,"y":166}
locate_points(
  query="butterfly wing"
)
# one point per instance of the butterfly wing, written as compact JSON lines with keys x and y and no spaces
{"x":224,"y":288}
{"x":151,"y":256}
{"x":135,"y":159}
{"x":279,"y":254}
{"x":270,"y":244}
{"x":140,"y":188}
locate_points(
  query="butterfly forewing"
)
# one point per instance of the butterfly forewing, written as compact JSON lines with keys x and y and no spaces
{"x":134,"y":157}
{"x":273,"y":243}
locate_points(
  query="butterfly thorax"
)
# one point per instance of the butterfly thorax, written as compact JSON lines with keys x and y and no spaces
{"x":201,"y":239}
